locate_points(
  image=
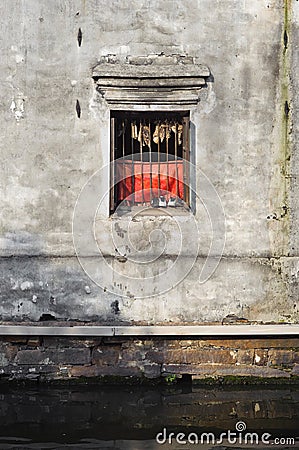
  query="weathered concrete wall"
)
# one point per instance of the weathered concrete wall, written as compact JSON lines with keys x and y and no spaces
{"x":245,"y":136}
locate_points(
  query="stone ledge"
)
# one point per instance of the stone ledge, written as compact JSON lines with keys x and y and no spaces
{"x":204,"y":370}
{"x":148,"y":330}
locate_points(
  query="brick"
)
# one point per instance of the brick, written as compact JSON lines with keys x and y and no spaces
{"x":260,"y":357}
{"x":106,"y":355}
{"x":245,"y":357}
{"x":280,"y":357}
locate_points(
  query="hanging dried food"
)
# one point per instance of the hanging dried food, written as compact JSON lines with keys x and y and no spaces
{"x":180,"y":133}
{"x":146,"y":136}
{"x":134,"y":131}
{"x":167,"y":131}
{"x":162,"y":132}
{"x":156,"y":135}
{"x":140,"y":135}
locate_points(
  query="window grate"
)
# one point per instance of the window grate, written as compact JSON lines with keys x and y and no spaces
{"x":149,"y":159}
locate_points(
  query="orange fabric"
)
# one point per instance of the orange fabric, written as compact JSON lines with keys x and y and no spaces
{"x":139,"y":175}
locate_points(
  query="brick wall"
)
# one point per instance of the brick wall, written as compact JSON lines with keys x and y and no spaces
{"x":50,"y":358}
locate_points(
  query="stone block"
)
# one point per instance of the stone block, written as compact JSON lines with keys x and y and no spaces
{"x":192,"y":355}
{"x":280,"y":357}
{"x":295,"y":370}
{"x":296,"y":357}
{"x":196,"y":356}
{"x":73,"y":342}
{"x":97,"y":371}
{"x":218,"y":370}
{"x":152,"y":370}
{"x":245,"y":357}
{"x":16,"y":339}
{"x":34,"y":342}
{"x":260,"y":357}
{"x":32,"y":357}
{"x":246,"y":344}
{"x":49,"y":356}
{"x":155,"y":356}
{"x":4,"y":361}
{"x":8,"y":351}
{"x":70,"y":356}
{"x":106,"y":355}
{"x":133,"y":353}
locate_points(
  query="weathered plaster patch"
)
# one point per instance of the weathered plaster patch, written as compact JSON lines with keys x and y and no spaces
{"x":17,"y":106}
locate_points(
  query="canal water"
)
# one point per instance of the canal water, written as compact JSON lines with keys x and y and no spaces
{"x":146,"y":418}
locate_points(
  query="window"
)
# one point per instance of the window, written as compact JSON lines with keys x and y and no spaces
{"x":149,"y":156}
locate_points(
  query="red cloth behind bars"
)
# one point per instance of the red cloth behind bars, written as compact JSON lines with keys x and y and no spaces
{"x":171,"y":180}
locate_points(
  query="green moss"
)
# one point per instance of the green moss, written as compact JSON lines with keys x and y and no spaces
{"x":170,"y":382}
{"x":171,"y":379}
{"x":235,"y":380}
{"x":285,"y":119}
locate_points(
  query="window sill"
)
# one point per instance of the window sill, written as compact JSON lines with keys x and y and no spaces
{"x":148,"y":211}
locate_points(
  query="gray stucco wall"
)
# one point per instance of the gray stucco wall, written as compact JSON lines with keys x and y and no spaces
{"x":245,"y":143}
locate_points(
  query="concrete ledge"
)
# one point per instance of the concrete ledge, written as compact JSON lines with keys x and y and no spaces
{"x":182,"y":330}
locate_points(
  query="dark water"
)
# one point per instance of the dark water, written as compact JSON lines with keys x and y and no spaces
{"x":104,"y":417}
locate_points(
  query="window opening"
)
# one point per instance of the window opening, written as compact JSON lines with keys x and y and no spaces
{"x":149,"y":159}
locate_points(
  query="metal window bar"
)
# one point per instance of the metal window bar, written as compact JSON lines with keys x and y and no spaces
{"x":112,"y":165}
{"x":176,"y":159}
{"x":167,"y":158}
{"x":141,"y":158}
{"x":186,"y":154}
{"x":123,"y":129}
{"x":150,"y":160}
{"x":132,"y":172}
{"x":159,"y":178}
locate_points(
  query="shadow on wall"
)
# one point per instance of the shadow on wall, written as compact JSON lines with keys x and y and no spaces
{"x":36,"y":287}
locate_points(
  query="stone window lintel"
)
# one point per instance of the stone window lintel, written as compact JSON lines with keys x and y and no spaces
{"x":156,"y":79}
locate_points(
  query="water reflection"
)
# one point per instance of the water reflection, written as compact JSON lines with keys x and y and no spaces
{"x":103,"y":417}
